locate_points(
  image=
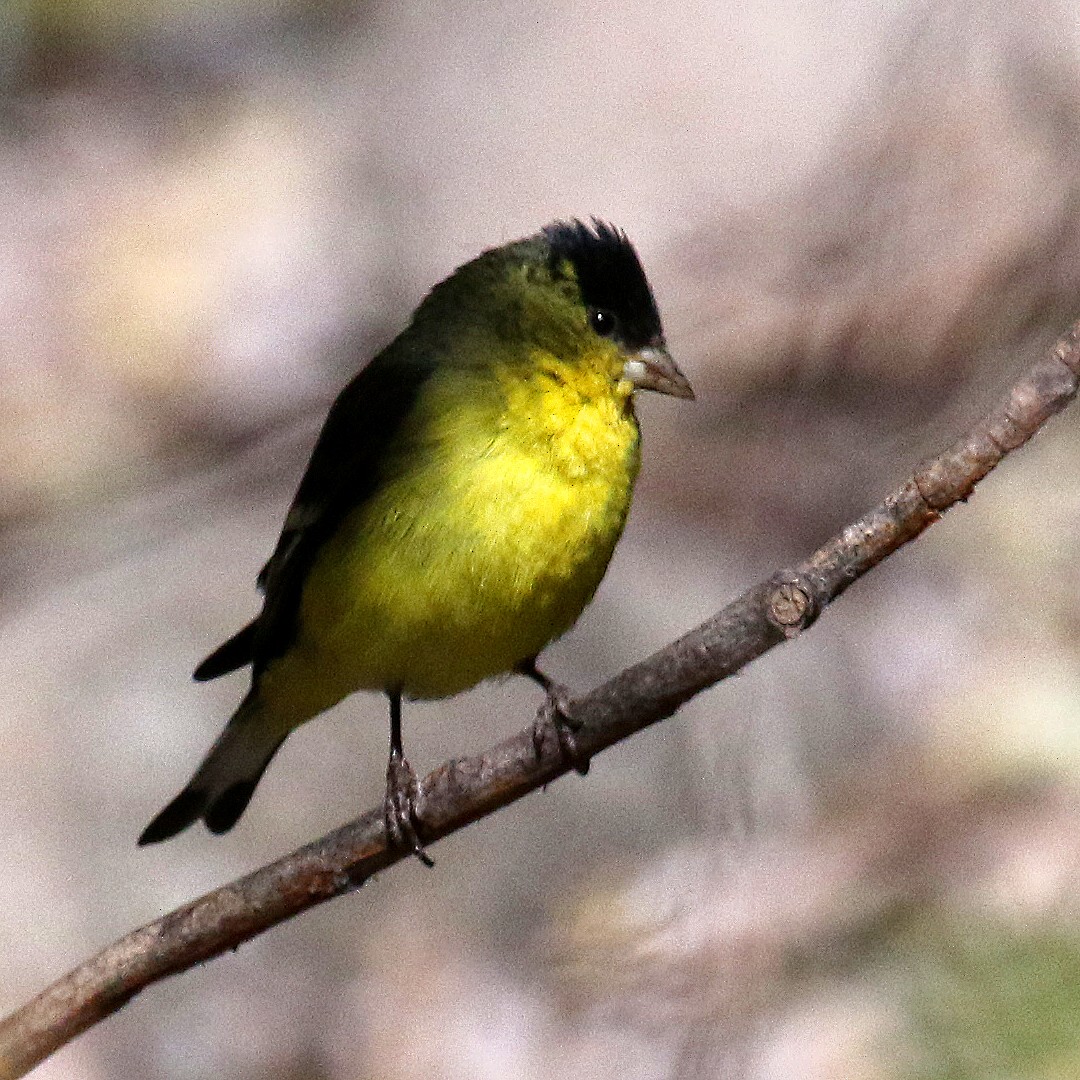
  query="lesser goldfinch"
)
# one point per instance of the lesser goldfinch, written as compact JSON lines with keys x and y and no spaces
{"x":459,"y":510}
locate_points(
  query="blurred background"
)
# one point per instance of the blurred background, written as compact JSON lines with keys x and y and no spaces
{"x":861,"y":858}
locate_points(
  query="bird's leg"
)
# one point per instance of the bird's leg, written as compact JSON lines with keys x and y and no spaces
{"x":554,"y":713}
{"x":401,"y":791}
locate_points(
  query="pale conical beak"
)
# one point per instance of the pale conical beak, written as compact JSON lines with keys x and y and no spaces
{"x":652,"y":368}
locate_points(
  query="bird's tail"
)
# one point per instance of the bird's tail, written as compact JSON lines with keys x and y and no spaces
{"x":224,"y":783}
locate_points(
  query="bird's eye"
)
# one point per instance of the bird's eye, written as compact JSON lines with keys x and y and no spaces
{"x":602,"y":321}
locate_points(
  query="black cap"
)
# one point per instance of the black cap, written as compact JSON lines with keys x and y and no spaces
{"x":610,"y":277}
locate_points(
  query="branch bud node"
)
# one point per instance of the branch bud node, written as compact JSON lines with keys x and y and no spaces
{"x":790,"y":606}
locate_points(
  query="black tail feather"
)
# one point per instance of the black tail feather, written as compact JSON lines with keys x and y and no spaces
{"x":183,"y":811}
{"x":225,"y":809}
{"x":223,"y":784}
{"x":232,"y":654}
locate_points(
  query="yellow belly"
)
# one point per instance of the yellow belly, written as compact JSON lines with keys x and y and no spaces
{"x":477,"y":556}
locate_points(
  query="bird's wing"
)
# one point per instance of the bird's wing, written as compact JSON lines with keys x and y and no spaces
{"x":343,"y":472}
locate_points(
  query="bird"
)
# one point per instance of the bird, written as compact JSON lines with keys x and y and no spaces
{"x":459,"y":509}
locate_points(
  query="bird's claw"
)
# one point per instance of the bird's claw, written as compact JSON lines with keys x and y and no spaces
{"x":402,"y":794}
{"x":555,"y":715}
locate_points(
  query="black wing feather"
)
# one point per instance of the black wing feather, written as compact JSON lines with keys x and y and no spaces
{"x":344,"y":471}
{"x":234,"y":653}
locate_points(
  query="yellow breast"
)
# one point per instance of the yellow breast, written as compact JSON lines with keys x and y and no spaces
{"x":487,"y":544}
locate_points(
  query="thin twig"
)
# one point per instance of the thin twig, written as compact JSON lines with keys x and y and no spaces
{"x":468,"y":788}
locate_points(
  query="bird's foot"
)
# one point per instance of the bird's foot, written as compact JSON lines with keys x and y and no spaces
{"x":555,"y":715}
{"x":402,"y":794}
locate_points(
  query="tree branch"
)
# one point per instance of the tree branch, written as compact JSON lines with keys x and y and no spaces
{"x":468,"y":788}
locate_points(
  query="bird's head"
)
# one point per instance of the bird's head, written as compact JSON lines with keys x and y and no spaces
{"x":572,"y":297}
{"x":598,"y":271}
